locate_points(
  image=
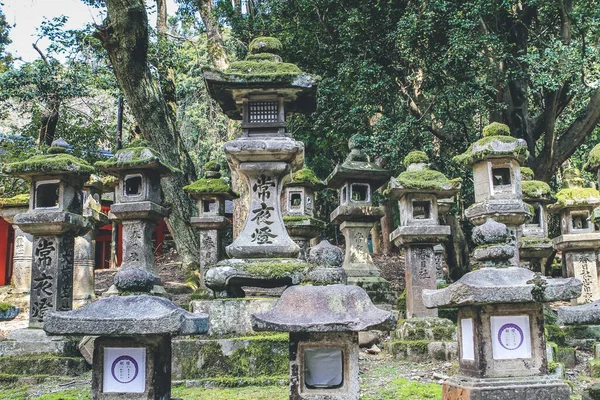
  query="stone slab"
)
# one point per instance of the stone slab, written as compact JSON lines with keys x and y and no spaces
{"x":531,"y":388}
{"x":577,"y":241}
{"x":231,"y":316}
{"x":356,"y":214}
{"x":43,"y":365}
{"x":425,"y":234}
{"x":583,"y":265}
{"x":585,"y":314}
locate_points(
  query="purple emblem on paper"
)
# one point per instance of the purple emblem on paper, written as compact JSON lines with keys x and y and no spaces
{"x":124,"y":369}
{"x":510,"y":336}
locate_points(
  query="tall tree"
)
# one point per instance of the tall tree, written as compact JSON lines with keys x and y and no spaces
{"x":5,"y":58}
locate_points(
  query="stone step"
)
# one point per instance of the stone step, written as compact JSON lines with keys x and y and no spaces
{"x":429,"y":329}
{"x":22,"y":342}
{"x":423,"y":350}
{"x":43,"y":365}
{"x":246,"y":356}
{"x":235,"y":381}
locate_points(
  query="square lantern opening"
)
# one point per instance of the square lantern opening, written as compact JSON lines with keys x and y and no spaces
{"x":421,"y":209}
{"x":263,"y":112}
{"x":47,"y":194}
{"x":133,"y":185}
{"x":295,"y":200}
{"x":501,"y":177}
{"x":344,"y":196}
{"x":359,"y":192}
{"x":209,"y":206}
{"x":537,"y":216}
{"x":580,"y":220}
{"x":323,"y":368}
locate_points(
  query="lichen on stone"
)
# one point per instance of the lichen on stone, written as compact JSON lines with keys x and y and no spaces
{"x":496,"y":129}
{"x":265,"y":44}
{"x":536,"y":189}
{"x":494,"y":147}
{"x":571,"y":196}
{"x":415,"y":157}
{"x":428,"y":179}
{"x":527,"y":174}
{"x":49,"y":163}
{"x":306,"y":175}
{"x":264,"y":57}
{"x":137,"y":155}
{"x":18,"y":200}
{"x":210,"y":186}
{"x":593,"y":161}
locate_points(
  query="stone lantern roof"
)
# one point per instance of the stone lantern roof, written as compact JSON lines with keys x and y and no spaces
{"x":20,"y":200}
{"x":306,"y":177}
{"x":137,"y":155}
{"x":262,"y":72}
{"x":333,"y":308}
{"x":496,"y":143}
{"x":593,"y":161}
{"x":56,"y":162}
{"x":100,"y":183}
{"x":418,"y":178}
{"x":574,"y":194}
{"x":357,"y":167}
{"x":211,"y":184}
{"x":535,"y":190}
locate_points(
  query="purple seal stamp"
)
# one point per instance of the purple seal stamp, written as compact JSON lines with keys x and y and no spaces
{"x":510,"y":336}
{"x":124,"y":369}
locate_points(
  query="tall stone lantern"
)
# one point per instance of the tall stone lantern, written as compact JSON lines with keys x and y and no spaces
{"x":534,"y":245}
{"x":53,"y":219}
{"x":418,"y":190}
{"x":298,"y":203}
{"x":501,"y":343}
{"x":262,"y":92}
{"x":210,"y":194}
{"x":138,"y":207}
{"x":357,"y":178}
{"x":579,"y":239}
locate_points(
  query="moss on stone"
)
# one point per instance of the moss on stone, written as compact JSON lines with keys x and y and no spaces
{"x":527,"y":174}
{"x":57,"y":150}
{"x":415,"y":157}
{"x":295,"y":218}
{"x":428,"y":179}
{"x":208,"y":185}
{"x":552,"y":367}
{"x":109,"y":180}
{"x":483,"y":149}
{"x":593,"y":161}
{"x":527,"y":241}
{"x":536,"y":189}
{"x":49,"y":163}
{"x":139,"y":142}
{"x":264,"y":57}
{"x":274,"y":270}
{"x":212,"y":166}
{"x":36,"y":364}
{"x":5,"y":306}
{"x":496,"y":129}
{"x":18,"y":200}
{"x":265,"y":44}
{"x":577,"y":196}
{"x":401,"y":302}
{"x":137,"y":155}
{"x":594,"y":367}
{"x":263,"y":68}
{"x":555,"y":334}
{"x":306,"y":175}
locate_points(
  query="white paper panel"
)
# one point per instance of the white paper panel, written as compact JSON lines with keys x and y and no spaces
{"x":511,"y":337}
{"x":124,"y":370}
{"x":467,"y":343}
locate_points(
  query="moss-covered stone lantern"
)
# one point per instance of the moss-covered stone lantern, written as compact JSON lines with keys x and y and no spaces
{"x":418,"y":190}
{"x":501,"y":342}
{"x":534,"y":244}
{"x":22,"y":249}
{"x":579,"y":239}
{"x":137,"y":207}
{"x":210,"y":194}
{"x":298,"y":204}
{"x":53,"y":219}
{"x":261,"y":91}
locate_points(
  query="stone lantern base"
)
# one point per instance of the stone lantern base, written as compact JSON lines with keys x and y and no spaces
{"x":529,"y":388}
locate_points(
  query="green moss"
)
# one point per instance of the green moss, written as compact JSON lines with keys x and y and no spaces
{"x":576,"y":196}
{"x":56,"y":150}
{"x":406,"y":389}
{"x":5,"y":306}
{"x":593,"y":161}
{"x":401,"y":302}
{"x":265,"y":44}
{"x":50,"y":163}
{"x":292,"y":221}
{"x":428,"y":179}
{"x":263,"y":57}
{"x":552,"y":367}
{"x":555,"y":334}
{"x":409,"y":347}
{"x":137,"y":155}
{"x":242,"y":381}
{"x":594,"y":367}
{"x":306,"y":175}
{"x":527,"y":174}
{"x":274,"y":270}
{"x":212,"y":166}
{"x":295,"y":218}
{"x":415,"y":157}
{"x":496,"y":129}
{"x":533,"y":241}
{"x":109,"y":180}
{"x":36,"y":364}
{"x":264,"y":68}
{"x":208,"y":185}
{"x":482,"y":149}
{"x":571,"y":173}
{"x":536,"y":189}
{"x":18,"y":200}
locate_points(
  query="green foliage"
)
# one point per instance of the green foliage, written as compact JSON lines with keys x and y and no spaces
{"x":485,"y":147}
{"x":69,"y":394}
{"x":496,"y":129}
{"x":415,"y":157}
{"x":265,"y":44}
{"x":5,"y":58}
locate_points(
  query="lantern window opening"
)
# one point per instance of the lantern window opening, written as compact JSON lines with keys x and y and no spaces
{"x":47,"y":194}
{"x":580,"y":220}
{"x":295,"y":200}
{"x":537,"y":215}
{"x":421,"y":209}
{"x":133,"y":185}
{"x":323,"y":368}
{"x":263,"y":112}
{"x":359,"y":192}
{"x":501,"y":177}
{"x":344,"y":195}
{"x":209,"y":206}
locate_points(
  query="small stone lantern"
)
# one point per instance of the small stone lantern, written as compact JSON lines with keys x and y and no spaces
{"x":534,"y":244}
{"x":323,"y":322}
{"x":22,"y":249}
{"x":210,"y":194}
{"x":138,"y":206}
{"x":298,"y":204}
{"x":53,"y":219}
{"x":501,"y":342}
{"x":417,"y":191}
{"x":132,"y":353}
{"x":579,"y":239}
{"x":357,"y":178}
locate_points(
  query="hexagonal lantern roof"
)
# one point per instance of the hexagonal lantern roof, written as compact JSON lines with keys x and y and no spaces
{"x":262,"y":73}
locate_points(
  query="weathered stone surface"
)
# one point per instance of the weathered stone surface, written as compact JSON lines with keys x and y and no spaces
{"x":502,"y":285}
{"x":333,"y":308}
{"x":9,"y":313}
{"x":327,"y":276}
{"x":583,"y":265}
{"x":577,"y":241}
{"x":127,"y":316}
{"x":593,"y":393}
{"x":231,"y":316}
{"x":585,"y":314}
{"x":530,"y":388}
{"x":492,"y":253}
{"x":420,"y":275}
{"x":491,"y":232}
{"x":23,"y":342}
{"x":356,"y":213}
{"x":52,"y":223}
{"x":430,"y":329}
{"x":134,"y":280}
{"x":326,"y":255}
{"x":425,"y":234}
{"x":505,"y":211}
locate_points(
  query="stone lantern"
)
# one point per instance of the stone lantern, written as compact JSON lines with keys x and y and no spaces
{"x":298,"y":204}
{"x":357,"y":178}
{"x":323,"y":322}
{"x":261,"y":91}
{"x":418,"y":190}
{"x":138,"y":207}
{"x":534,"y":244}
{"x":22,"y":249}
{"x":210,"y":194}
{"x":579,"y":239}
{"x":85,"y":245}
{"x":53,"y":219}
{"x":501,"y":342}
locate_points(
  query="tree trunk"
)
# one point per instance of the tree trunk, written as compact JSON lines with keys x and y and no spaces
{"x":126,"y":41}
{"x":216,"y":49}
{"x":49,"y":120}
{"x":387,"y":224}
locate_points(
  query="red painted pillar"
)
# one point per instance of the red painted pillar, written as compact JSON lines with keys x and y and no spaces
{"x":5,"y":270}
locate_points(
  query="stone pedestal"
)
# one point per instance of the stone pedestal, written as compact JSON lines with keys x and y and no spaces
{"x":580,"y":261}
{"x":83,"y":268}
{"x":420,"y":274}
